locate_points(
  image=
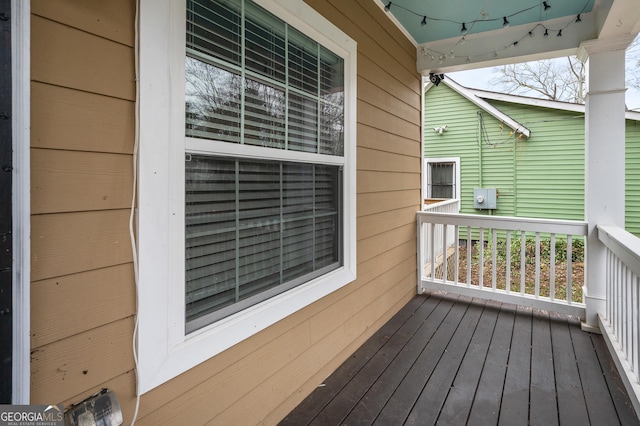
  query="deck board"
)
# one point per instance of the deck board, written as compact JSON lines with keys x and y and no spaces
{"x":514,"y":408}
{"x":486,"y":404}
{"x":447,"y":359}
{"x":542,"y":399}
{"x":572,"y":409}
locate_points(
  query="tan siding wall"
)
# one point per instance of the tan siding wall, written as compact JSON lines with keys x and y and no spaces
{"x":83,"y":295}
{"x":82,"y":129}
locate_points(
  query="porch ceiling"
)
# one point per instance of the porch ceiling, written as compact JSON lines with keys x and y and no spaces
{"x":535,"y":30}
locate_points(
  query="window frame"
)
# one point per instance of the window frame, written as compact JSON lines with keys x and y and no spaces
{"x":164,"y":348}
{"x":427,"y":174}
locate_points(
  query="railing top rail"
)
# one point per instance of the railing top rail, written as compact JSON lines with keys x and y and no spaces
{"x":623,"y":244}
{"x":572,"y":227}
{"x":428,"y":207}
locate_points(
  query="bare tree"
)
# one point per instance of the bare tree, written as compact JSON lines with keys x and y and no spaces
{"x":633,"y":64}
{"x":557,"y":80}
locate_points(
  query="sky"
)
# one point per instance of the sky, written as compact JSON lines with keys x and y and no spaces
{"x":480,"y":79}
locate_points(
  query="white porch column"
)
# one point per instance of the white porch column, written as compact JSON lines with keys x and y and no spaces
{"x":604,"y":159}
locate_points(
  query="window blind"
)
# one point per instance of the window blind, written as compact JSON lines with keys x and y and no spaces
{"x":280,"y":89}
{"x":253,"y":227}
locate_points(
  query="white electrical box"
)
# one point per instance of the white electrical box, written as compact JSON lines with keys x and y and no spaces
{"x":484,"y":198}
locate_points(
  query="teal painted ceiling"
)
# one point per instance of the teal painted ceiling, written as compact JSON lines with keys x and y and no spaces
{"x":453,"y":35}
{"x":429,"y":21}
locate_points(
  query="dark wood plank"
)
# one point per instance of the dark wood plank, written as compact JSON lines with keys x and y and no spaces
{"x":336,"y":410}
{"x":431,"y":400}
{"x":514,"y":409}
{"x":486,"y":405}
{"x":367,"y":409}
{"x":403,"y":399}
{"x":624,"y":408}
{"x":594,"y":387}
{"x":542,"y":405}
{"x":457,"y":406}
{"x":572,"y":409}
{"x":451,"y":360}
{"x":317,"y":400}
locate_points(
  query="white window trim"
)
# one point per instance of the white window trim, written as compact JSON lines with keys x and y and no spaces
{"x":21,"y":212}
{"x":427,"y":175}
{"x":163,"y":349}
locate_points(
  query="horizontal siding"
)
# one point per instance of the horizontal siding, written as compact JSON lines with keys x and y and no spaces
{"x":52,"y":321}
{"x":73,"y":58}
{"x":72,"y":181}
{"x":82,"y":134}
{"x":632,"y":196}
{"x":64,"y":118}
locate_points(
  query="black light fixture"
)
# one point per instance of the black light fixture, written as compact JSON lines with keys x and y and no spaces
{"x":463,"y":30}
{"x":387,"y":7}
{"x":424,"y":21}
{"x":546,"y":6}
{"x":436,"y":78}
{"x":578,"y":18}
{"x":505,"y":21}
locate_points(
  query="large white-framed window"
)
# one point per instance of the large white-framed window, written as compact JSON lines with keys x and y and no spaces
{"x":442,"y":178}
{"x":247,"y":173}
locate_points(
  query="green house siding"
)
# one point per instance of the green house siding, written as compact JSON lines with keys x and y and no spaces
{"x":540,"y":176}
{"x":632,"y":187}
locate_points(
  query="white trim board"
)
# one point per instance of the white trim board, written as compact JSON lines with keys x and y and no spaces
{"x":20,"y":52}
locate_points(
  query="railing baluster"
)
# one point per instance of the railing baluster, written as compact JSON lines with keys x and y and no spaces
{"x":432,"y":252}
{"x":552,"y":267}
{"x":481,"y":261}
{"x":609,"y":275}
{"x":468,"y":256}
{"x":494,"y":245}
{"x":537,"y":274}
{"x":508,"y":271}
{"x":627,"y":311}
{"x":456,"y":244}
{"x":444,"y":252}
{"x":523,"y":261}
{"x":569,"y":269}
{"x":636,"y":338}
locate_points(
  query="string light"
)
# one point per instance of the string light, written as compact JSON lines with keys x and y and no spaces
{"x":433,"y":54}
{"x":495,"y":53}
{"x":483,"y":15}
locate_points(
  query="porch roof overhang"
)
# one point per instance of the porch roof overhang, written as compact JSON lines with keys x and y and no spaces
{"x":463,"y":34}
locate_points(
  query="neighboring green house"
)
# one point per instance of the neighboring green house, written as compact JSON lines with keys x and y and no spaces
{"x":531,"y":151}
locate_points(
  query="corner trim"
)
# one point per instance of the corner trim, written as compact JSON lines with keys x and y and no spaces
{"x":20,"y":69}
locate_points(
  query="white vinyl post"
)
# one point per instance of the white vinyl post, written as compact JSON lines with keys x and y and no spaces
{"x":604,"y":160}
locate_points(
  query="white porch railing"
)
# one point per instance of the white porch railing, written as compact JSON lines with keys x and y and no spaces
{"x":436,"y":251}
{"x":532,"y":262}
{"x":620,"y":324}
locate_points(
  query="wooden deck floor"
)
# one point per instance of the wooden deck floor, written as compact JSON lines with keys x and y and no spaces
{"x":454,"y":360}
